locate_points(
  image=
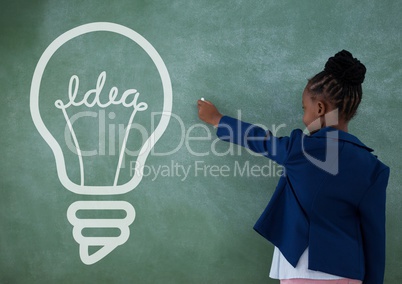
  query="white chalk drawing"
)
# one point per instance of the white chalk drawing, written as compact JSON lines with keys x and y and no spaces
{"x":107,"y":244}
{"x":129,"y":99}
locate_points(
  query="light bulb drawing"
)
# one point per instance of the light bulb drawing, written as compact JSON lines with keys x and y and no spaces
{"x":129,"y":99}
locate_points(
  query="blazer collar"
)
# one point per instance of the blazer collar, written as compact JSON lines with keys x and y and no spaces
{"x":342,"y":135}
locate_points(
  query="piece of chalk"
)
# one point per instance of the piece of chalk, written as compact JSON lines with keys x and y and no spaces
{"x":202,"y":99}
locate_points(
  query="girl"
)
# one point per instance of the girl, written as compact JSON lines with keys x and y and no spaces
{"x":326,"y":217}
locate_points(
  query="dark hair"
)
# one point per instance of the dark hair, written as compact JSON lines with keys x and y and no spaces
{"x":340,"y":83}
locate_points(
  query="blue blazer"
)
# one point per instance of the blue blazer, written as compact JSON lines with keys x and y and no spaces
{"x":331,"y":198}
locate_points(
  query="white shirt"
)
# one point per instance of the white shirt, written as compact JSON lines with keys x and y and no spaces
{"x":282,"y":269}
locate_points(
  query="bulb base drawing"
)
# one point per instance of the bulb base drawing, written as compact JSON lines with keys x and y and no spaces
{"x":106,"y":244}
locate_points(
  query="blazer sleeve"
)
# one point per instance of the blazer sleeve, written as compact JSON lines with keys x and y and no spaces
{"x":372,"y":217}
{"x":254,"y":138}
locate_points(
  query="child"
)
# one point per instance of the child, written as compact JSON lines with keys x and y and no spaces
{"x":326,"y":217}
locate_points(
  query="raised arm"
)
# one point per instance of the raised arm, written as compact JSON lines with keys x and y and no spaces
{"x":245,"y":134}
{"x":208,"y":113}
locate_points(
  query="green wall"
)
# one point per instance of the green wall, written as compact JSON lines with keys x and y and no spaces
{"x":248,"y":57}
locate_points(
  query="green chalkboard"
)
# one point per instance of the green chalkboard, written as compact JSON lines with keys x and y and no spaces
{"x":91,"y":218}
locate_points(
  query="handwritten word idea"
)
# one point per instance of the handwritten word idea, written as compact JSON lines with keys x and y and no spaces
{"x":92,"y":97}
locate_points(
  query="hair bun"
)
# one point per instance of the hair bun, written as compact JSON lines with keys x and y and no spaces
{"x":345,"y":68}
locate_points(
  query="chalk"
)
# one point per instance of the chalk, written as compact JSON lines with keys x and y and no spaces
{"x":202,"y":99}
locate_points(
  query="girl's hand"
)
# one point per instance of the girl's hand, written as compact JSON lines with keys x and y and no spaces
{"x":208,"y":113}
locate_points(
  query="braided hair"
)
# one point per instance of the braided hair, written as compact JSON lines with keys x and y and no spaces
{"x":340,"y":83}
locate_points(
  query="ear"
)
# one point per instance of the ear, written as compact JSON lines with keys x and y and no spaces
{"x":320,"y":108}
